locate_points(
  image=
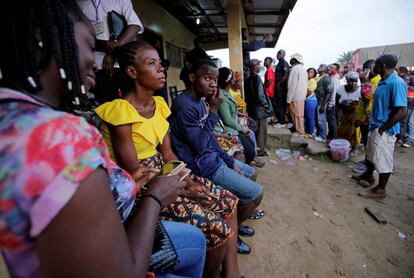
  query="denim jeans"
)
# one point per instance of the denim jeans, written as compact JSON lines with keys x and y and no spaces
{"x":253,"y":137}
{"x":241,"y":186}
{"x":332,"y":118}
{"x":322,"y":130}
{"x":409,"y":135}
{"x":310,"y":114}
{"x":190,"y":244}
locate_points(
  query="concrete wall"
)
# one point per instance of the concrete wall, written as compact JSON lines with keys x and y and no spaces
{"x":161,"y":22}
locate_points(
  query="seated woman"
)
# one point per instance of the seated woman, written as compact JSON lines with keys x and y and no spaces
{"x":228,"y":114}
{"x":349,"y":96}
{"x":135,"y":129}
{"x":57,"y":185}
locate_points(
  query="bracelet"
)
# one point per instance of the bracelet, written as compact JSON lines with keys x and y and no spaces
{"x":150,"y":195}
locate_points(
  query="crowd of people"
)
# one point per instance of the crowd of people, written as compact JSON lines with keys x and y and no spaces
{"x":81,"y":178}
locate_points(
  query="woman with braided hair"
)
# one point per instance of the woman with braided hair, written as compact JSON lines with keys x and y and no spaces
{"x":136,"y":130}
{"x":57,"y":182}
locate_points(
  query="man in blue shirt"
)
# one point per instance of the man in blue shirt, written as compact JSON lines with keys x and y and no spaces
{"x":390,"y":103}
{"x":194,"y":115}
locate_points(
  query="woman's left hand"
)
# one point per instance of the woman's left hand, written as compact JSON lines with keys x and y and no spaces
{"x":198,"y":192}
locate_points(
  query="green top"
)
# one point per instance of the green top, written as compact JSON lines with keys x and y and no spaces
{"x":228,"y":113}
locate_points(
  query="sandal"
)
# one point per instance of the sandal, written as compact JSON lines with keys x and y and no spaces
{"x":378,"y":194}
{"x":258,"y":163}
{"x":257,"y":214}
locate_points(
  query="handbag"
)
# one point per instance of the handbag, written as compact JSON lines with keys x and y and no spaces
{"x":164,"y":256}
{"x":117,"y":24}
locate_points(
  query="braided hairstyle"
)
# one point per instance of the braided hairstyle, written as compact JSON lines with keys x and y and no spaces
{"x":20,"y":62}
{"x":126,"y":55}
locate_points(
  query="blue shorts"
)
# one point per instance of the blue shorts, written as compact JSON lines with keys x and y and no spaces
{"x":241,"y":186}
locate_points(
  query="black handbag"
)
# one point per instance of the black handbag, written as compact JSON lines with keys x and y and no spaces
{"x":164,"y":256}
{"x":117,"y":24}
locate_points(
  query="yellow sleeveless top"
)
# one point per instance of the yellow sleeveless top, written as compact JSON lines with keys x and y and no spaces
{"x":146,"y":133}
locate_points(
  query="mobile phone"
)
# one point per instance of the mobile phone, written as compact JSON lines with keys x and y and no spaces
{"x":174,"y":167}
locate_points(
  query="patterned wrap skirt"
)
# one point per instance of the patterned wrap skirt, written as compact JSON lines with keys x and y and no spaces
{"x":211,"y":220}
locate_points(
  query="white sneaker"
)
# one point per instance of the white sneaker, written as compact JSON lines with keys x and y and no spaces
{"x":320,"y":139}
{"x":289,"y":125}
{"x":279,"y":125}
{"x":406,"y":145}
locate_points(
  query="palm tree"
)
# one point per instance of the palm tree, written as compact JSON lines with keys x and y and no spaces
{"x":345,"y":57}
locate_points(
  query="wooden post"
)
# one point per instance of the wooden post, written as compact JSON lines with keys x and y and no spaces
{"x":234,"y":26}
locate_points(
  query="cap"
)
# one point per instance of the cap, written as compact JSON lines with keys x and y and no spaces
{"x":297,"y":56}
{"x":254,"y":62}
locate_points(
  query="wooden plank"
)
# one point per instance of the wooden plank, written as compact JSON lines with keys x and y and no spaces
{"x":376,"y":215}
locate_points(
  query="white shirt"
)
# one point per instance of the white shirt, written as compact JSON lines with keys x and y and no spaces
{"x":344,"y":95}
{"x":123,"y":7}
{"x":297,"y":84}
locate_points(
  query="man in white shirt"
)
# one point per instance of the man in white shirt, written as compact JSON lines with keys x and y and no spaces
{"x":97,"y":12}
{"x":297,"y":89}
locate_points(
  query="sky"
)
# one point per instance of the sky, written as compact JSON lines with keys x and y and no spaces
{"x":321,"y":30}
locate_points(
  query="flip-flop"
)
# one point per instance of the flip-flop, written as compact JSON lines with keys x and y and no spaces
{"x":260,"y":165}
{"x":372,"y":195}
{"x":257,"y":214}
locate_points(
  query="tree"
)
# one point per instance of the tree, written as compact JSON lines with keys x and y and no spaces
{"x":345,"y":57}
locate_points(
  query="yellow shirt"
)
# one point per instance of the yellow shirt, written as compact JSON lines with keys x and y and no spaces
{"x":147,"y":134}
{"x":240,"y":103}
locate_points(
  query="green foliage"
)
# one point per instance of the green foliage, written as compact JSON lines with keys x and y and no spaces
{"x":345,"y":57}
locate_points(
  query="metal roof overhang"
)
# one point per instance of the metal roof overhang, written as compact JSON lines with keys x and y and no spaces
{"x":261,"y":17}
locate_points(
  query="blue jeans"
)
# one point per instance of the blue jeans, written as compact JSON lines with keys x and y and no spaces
{"x":409,"y":135}
{"x":242,"y":186}
{"x":332,"y":118}
{"x":253,"y":137}
{"x":190,"y":244}
{"x":310,"y":114}
{"x":322,"y":130}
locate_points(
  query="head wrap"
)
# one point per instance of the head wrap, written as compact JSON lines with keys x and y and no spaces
{"x":352,"y":75}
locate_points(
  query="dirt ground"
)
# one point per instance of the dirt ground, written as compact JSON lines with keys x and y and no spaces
{"x":343,"y":241}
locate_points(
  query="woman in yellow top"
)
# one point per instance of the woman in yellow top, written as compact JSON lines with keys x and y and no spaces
{"x":136,"y":131}
{"x":311,"y":103}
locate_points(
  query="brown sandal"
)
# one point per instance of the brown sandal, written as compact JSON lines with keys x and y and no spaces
{"x":373,"y":195}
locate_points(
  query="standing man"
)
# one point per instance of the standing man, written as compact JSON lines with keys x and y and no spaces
{"x":248,"y":46}
{"x":323,"y":93}
{"x":389,"y":107}
{"x":270,"y":83}
{"x":108,"y":74}
{"x":332,"y":113}
{"x":297,"y":89}
{"x":281,"y":73}
{"x":258,"y":104}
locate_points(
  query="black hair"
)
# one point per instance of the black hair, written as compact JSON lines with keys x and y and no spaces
{"x":20,"y":63}
{"x":223,"y":78}
{"x":314,"y":70}
{"x":269,"y":58}
{"x":370,"y":62}
{"x":337,"y":66}
{"x":403,"y":69}
{"x":126,"y":57}
{"x":389,"y":60}
{"x":200,"y":63}
{"x":409,"y":76}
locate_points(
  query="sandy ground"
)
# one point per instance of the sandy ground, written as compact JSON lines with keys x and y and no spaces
{"x":344,"y":241}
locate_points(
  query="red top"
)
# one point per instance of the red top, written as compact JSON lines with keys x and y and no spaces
{"x":270,"y":75}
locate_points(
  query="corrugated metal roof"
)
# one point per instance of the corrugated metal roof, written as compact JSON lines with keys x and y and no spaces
{"x":262,"y":17}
